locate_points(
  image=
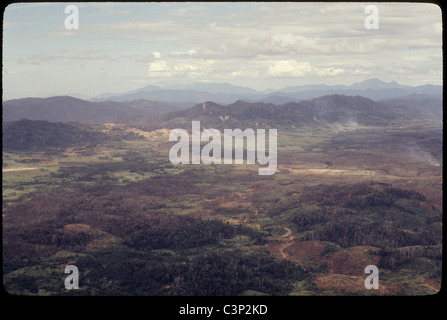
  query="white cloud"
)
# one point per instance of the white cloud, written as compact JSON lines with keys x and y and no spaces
{"x":269,"y":44}
{"x":148,"y":57}
{"x":292,"y":68}
{"x":158,"y":66}
{"x":289,"y":68}
{"x":331,"y":71}
{"x":62,"y":56}
{"x":179,"y":68}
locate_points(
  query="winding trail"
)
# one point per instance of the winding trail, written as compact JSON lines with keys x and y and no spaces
{"x":287,"y":243}
{"x":286,"y":237}
{"x":251,"y":217}
{"x":288,"y":233}
{"x":19,"y":169}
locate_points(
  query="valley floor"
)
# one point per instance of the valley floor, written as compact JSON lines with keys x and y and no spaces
{"x":134,"y":224}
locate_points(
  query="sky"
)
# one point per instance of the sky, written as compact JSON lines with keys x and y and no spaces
{"x":262,"y":45}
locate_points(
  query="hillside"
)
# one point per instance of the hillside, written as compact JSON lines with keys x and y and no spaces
{"x":25,"y":134}
{"x":327,"y":110}
{"x":67,"y":109}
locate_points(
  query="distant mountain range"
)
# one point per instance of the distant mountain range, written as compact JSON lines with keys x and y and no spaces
{"x":226,"y":93}
{"x":145,"y":102}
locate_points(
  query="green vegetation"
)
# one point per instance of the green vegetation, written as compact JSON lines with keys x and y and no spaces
{"x":25,"y":134}
{"x":134,"y":224}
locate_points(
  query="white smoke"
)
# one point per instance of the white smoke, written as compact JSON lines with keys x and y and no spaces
{"x":418,"y":153}
{"x":350,"y":125}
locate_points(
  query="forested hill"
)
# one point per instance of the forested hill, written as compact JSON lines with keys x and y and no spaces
{"x":69,"y":109}
{"x":326,"y":110}
{"x":24,"y":134}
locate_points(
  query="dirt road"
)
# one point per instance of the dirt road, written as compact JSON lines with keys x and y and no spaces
{"x":19,"y":169}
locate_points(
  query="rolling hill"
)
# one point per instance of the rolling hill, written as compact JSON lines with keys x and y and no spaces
{"x":69,"y":109}
{"x":326,"y":110}
{"x":25,"y":134}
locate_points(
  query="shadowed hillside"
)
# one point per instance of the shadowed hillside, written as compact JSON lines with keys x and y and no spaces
{"x":69,"y":109}
{"x":24,"y":134}
{"x":327,"y":110}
